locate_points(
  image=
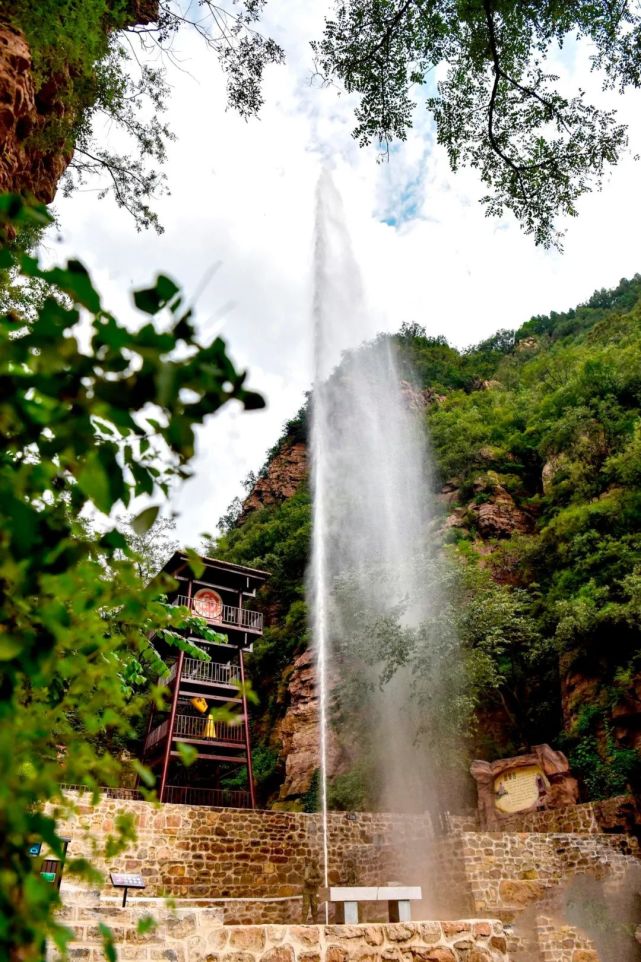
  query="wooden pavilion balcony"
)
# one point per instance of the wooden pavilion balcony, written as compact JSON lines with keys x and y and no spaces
{"x":213,"y":797}
{"x":196,"y":728}
{"x":225,"y":615}
{"x":209,"y":672}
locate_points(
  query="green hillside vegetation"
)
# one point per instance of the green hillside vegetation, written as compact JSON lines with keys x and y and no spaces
{"x":545,"y":420}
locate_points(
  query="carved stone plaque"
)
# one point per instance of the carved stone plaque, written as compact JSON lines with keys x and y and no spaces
{"x":520,"y":789}
{"x":508,"y":787}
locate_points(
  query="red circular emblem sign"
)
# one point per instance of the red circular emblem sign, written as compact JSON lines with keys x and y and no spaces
{"x":208,"y":604}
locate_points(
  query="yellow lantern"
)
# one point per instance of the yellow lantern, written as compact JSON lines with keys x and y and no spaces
{"x":199,"y":704}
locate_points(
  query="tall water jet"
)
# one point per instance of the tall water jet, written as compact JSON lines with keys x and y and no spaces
{"x":374,"y":577}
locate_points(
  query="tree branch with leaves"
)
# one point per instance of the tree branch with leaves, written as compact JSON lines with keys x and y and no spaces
{"x":83,"y":430}
{"x":496,"y":109}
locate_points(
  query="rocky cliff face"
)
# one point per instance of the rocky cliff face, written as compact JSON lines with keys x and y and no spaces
{"x":33,"y":157}
{"x":24,"y":113}
{"x":298,"y":732}
{"x":281,"y":480}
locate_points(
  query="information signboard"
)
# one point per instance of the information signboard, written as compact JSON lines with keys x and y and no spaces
{"x":520,"y":789}
{"x":126,"y":881}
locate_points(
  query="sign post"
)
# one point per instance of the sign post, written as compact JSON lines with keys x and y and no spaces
{"x":122,"y":880}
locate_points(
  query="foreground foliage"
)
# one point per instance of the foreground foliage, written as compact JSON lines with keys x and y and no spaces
{"x":92,"y":414}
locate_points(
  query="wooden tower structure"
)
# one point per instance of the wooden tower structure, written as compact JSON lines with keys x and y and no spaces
{"x":221,"y":596}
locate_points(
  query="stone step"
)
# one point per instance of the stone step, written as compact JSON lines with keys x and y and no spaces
{"x":192,"y":935}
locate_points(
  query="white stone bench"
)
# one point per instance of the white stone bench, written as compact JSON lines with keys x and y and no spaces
{"x":398,"y":898}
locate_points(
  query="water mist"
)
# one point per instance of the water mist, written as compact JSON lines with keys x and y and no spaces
{"x":371,"y":578}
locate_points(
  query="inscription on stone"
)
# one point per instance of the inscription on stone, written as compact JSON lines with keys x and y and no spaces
{"x":519,"y":789}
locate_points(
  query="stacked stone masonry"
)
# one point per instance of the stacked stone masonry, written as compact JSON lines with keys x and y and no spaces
{"x":195,"y":934}
{"x":245,"y":868}
{"x":537,"y":883}
{"x":232,"y":854}
{"x":611,"y":815}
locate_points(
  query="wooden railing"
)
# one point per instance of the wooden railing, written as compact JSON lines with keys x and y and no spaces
{"x":131,"y":793}
{"x":210,"y":671}
{"x":224,"y":614}
{"x":217,"y":797}
{"x":167,"y":679}
{"x":156,"y":735}
{"x":195,"y":726}
{"x":178,"y":795}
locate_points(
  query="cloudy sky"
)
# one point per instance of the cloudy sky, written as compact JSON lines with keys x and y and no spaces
{"x":240,"y":218}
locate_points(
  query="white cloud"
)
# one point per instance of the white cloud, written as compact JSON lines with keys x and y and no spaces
{"x":243,"y":195}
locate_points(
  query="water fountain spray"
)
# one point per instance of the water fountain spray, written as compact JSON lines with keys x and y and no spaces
{"x":372,"y":521}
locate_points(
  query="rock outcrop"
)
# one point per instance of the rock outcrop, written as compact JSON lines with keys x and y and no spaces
{"x":281,"y":480}
{"x":500,"y":516}
{"x":36,"y":121}
{"x":551,"y":468}
{"x":417,"y":399}
{"x":24,"y":113}
{"x":494,"y":512}
{"x":298,"y":732}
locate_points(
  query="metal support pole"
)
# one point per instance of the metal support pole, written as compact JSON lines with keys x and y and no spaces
{"x":172,"y":722}
{"x":174,"y":703}
{"x":250,"y":770}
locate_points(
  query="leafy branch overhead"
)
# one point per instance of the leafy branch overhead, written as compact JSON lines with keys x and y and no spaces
{"x":496,"y":106}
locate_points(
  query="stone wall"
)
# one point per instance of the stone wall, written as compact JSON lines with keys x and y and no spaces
{"x":575,"y":818}
{"x":616,"y":815}
{"x":194,"y":934}
{"x":185,"y":934}
{"x":537,"y":882}
{"x":198,"y":852}
{"x":505,"y":872}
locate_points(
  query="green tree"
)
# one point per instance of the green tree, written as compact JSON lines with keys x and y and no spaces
{"x":498,"y":107}
{"x":82,"y":431}
{"x":153,"y":547}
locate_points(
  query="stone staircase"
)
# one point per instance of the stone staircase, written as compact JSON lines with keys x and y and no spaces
{"x":184,"y":933}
